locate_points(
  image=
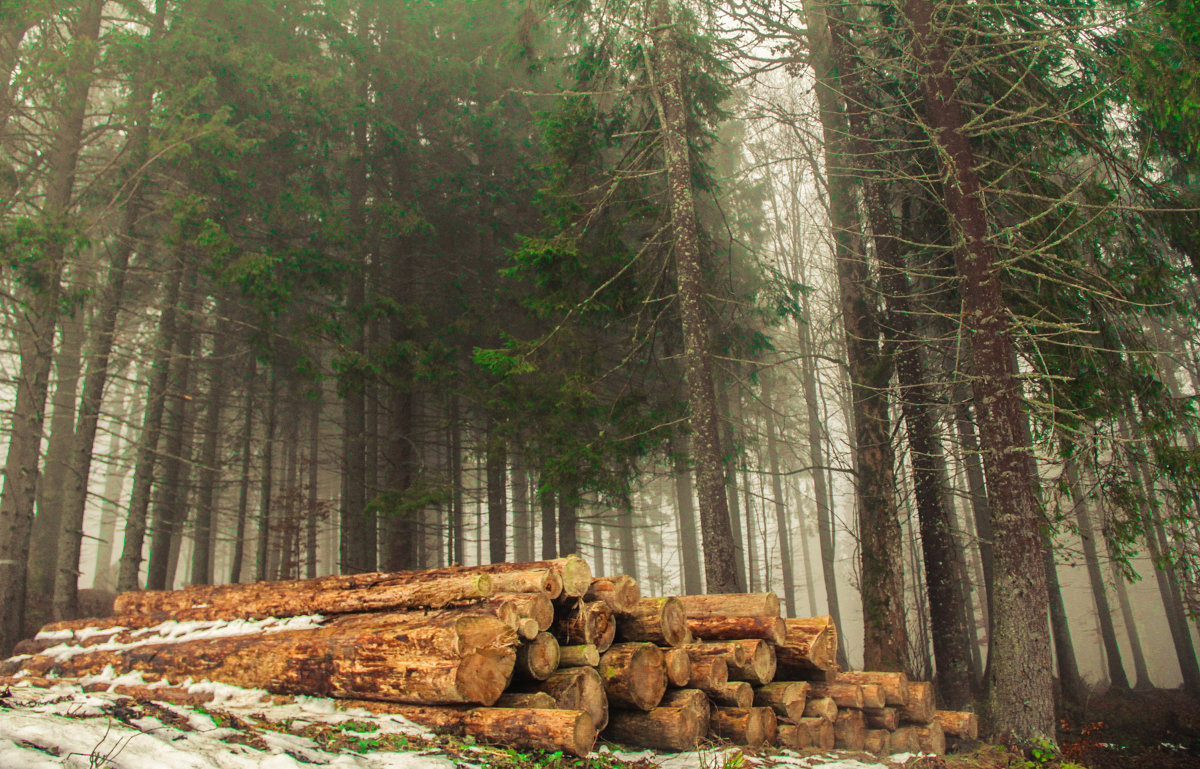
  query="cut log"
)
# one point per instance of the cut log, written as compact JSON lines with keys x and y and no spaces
{"x":692,"y":700}
{"x":586,"y":623}
{"x":876,"y":741}
{"x":895,"y":685}
{"x":849,"y":730}
{"x":620,"y":593}
{"x":820,"y":732}
{"x":659,"y":728}
{"x":730,"y":605}
{"x":574,"y":572}
{"x":753,"y":727}
{"x":526,"y":700}
{"x":340,"y":594}
{"x":904,"y":740}
{"x":535,"y":606}
{"x":759,"y":667}
{"x":577,"y":689}
{"x":873,"y":696}
{"x":882,"y":718}
{"x":533,"y":581}
{"x":811,"y":646}
{"x":735,"y":694}
{"x":730,"y":651}
{"x":709,"y":675}
{"x":657,"y":620}
{"x":719,"y":628}
{"x":634,"y":675}
{"x":958,"y":723}
{"x":527,"y":628}
{"x":931,"y":738}
{"x":539,"y":658}
{"x":921,"y":705}
{"x":821,"y":707}
{"x":579,"y":654}
{"x":569,"y":731}
{"x":786,"y":698}
{"x":794,"y":736}
{"x":679,"y":667}
{"x":374,"y":656}
{"x":844,"y":693}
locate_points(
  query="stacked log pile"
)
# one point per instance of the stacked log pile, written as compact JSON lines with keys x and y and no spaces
{"x":534,"y":656}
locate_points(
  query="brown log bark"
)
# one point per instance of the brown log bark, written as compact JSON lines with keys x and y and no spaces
{"x":569,"y":731}
{"x":730,"y":605}
{"x":849,"y":730}
{"x":575,"y":573}
{"x":730,"y":651}
{"x":692,"y":700}
{"x":720,"y":628}
{"x":620,"y":593}
{"x":534,"y":581}
{"x":882,"y":718}
{"x":634,"y":675}
{"x":585,"y":623}
{"x":904,"y":740}
{"x":922,"y":703}
{"x":873,"y":696}
{"x":821,"y":707}
{"x":662,"y":728}
{"x":759,"y":662}
{"x":844,"y":693}
{"x":786,"y":698}
{"x":820,"y":732}
{"x":709,"y":675}
{"x":531,"y":605}
{"x":536,"y":700}
{"x":679,"y":667}
{"x":895,"y":685}
{"x":735,"y":694}
{"x":580,"y":654}
{"x":657,"y":620}
{"x":753,"y":727}
{"x":958,"y":723}
{"x":538,"y":658}
{"x":931,"y":738}
{"x":794,"y":736}
{"x":811,"y":645}
{"x":577,"y":689}
{"x":876,"y":741}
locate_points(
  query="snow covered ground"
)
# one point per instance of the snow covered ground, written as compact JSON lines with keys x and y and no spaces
{"x":63,"y":726}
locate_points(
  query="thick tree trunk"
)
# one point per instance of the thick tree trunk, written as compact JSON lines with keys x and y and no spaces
{"x":266,"y":524}
{"x":546,"y":500}
{"x":210,"y":470}
{"x":568,"y":523}
{"x":401,"y":525}
{"x":685,"y":513}
{"x":716,"y":533}
{"x":110,"y":498}
{"x":313,"y":486}
{"x":522,"y":514}
{"x":674,"y":729}
{"x":625,"y":538}
{"x":783,"y":526}
{"x":239,"y":534}
{"x":1020,"y":701}
{"x":497,"y":497}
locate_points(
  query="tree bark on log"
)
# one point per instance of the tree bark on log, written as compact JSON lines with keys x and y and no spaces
{"x":811,"y":645}
{"x":922,"y":703}
{"x":730,"y":605}
{"x":753,"y":727}
{"x":532,"y":605}
{"x":844,"y":693}
{"x":820,"y":732}
{"x":876,"y":741}
{"x":634,"y":675}
{"x":931,"y":738}
{"x":786,"y":698}
{"x":527,"y":700}
{"x":538,"y":658}
{"x":895,"y":685}
{"x":529,"y":581}
{"x":569,"y":731}
{"x":849,"y":730}
{"x":620,"y":593}
{"x":730,"y":651}
{"x":904,"y":740}
{"x":794,"y":736}
{"x":578,"y":689}
{"x":821,"y":707}
{"x":578,"y":655}
{"x":692,"y":700}
{"x":662,"y":728}
{"x":679,"y":667}
{"x":340,"y":594}
{"x":657,"y":620}
{"x":958,"y":723}
{"x":709,"y":675}
{"x":574,"y":572}
{"x":720,"y":628}
{"x":735,"y":694}
{"x":586,"y":623}
{"x":883,"y":718}
{"x":752,"y":660}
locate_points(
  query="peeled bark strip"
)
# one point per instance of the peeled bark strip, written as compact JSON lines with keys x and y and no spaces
{"x":811,"y":645}
{"x":660,"y":728}
{"x":958,"y":723}
{"x":794,"y":736}
{"x":709,"y":675}
{"x":692,"y":700}
{"x":786,"y":698}
{"x":735,"y":694}
{"x":904,"y":740}
{"x":538,"y":658}
{"x":580,"y":654}
{"x":844,"y":693}
{"x":620,"y":593}
{"x":535,"y":606}
{"x":921,"y":705}
{"x":759,"y":667}
{"x":578,"y":689}
{"x":931,"y":738}
{"x":753,"y":727}
{"x":634,"y":675}
{"x":527,"y":700}
{"x":730,"y":605}
{"x":876,"y":741}
{"x":718,"y":628}
{"x":883,"y":718}
{"x":679,"y":667}
{"x":340,"y":594}
{"x":569,"y":731}
{"x":821,"y":707}
{"x":895,"y":685}
{"x":820,"y":731}
{"x":574,"y":572}
{"x":657,"y":620}
{"x":849,"y":730}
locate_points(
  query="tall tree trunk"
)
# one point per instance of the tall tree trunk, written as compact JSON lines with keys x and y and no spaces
{"x":783,"y":524}
{"x":1141,"y":673}
{"x":36,"y":319}
{"x":730,"y":453}
{"x":1020,"y":702}
{"x":210,"y":449}
{"x":522,"y":515}
{"x":1104,"y":615}
{"x":243,"y":509}
{"x":114,"y":482}
{"x":685,"y":515}
{"x":976,"y":492}
{"x":458,"y":539}
{"x":625,"y":537}
{"x":568,"y":534}
{"x":497,"y":497}
{"x":546,"y":506}
{"x":262,"y":564}
{"x":719,"y":560}
{"x":401,"y":526}
{"x":312,"y":513}
{"x":881,"y":551}
{"x":597,"y":562}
